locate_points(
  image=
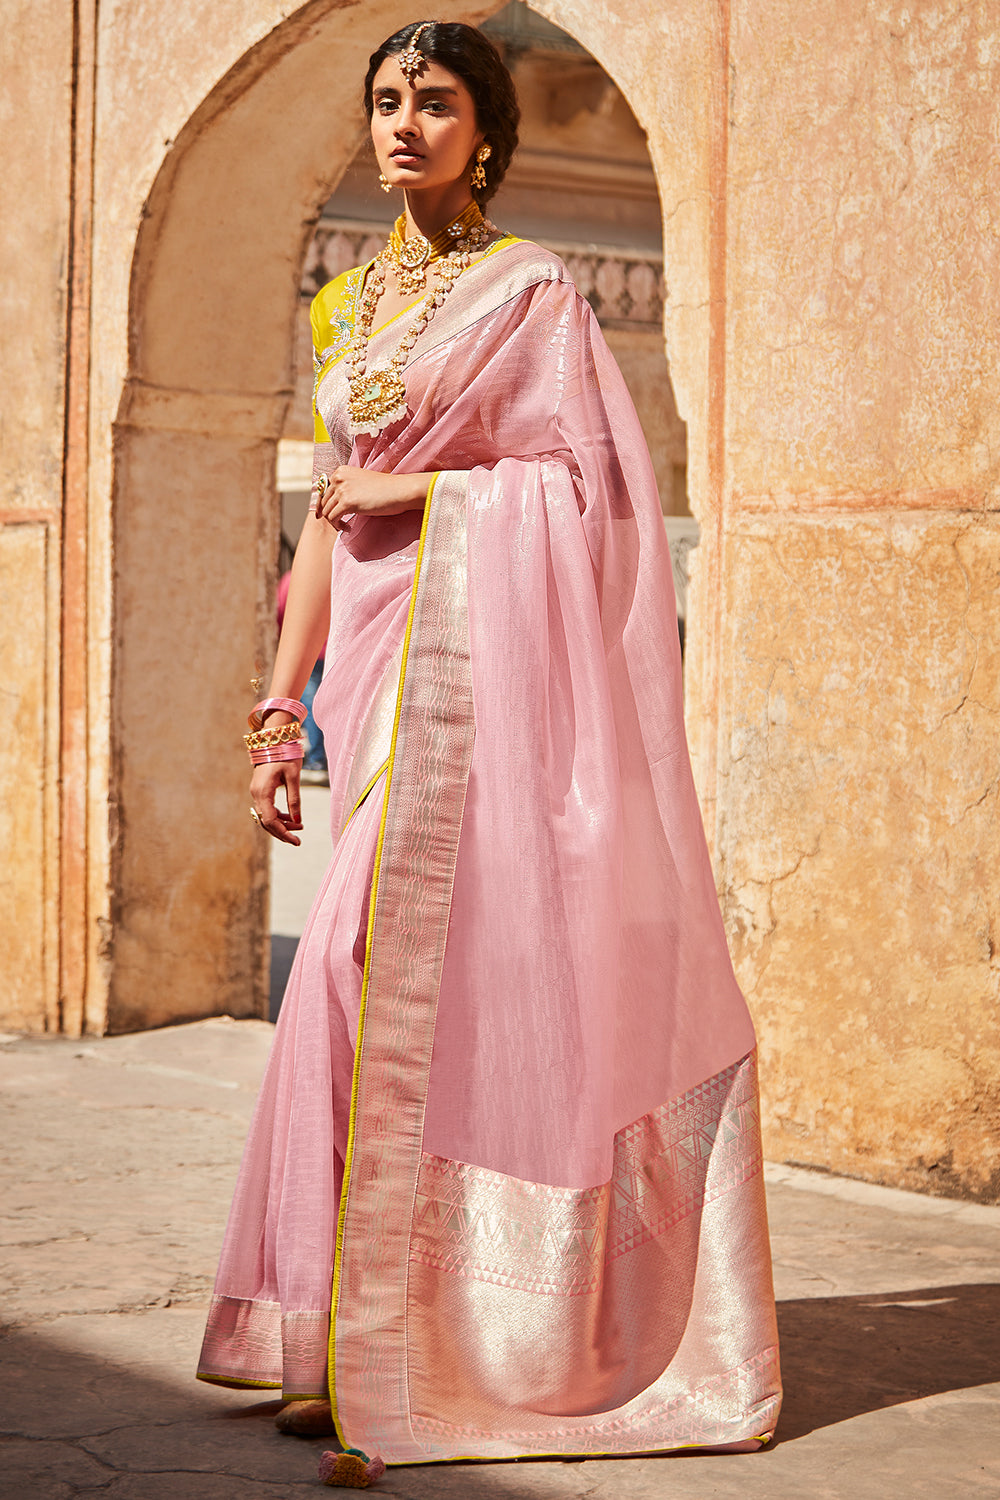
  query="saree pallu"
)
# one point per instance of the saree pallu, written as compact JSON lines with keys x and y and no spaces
{"x":502,"y":1194}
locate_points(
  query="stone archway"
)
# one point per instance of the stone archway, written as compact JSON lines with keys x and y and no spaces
{"x":211,"y":348}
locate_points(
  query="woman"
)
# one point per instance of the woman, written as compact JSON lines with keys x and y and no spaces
{"x":510,"y":1111}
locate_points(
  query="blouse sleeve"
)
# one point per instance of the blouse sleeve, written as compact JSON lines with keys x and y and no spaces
{"x":320,"y":326}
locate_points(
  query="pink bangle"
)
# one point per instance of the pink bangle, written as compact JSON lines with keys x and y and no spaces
{"x":294,"y":751}
{"x":268,"y":705}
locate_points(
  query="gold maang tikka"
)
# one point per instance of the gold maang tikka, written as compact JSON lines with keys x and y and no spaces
{"x":411,"y":60}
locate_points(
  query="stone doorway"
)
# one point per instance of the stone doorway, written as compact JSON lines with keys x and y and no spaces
{"x":213,"y":312}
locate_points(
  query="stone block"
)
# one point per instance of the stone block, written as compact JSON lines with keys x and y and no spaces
{"x":863,"y":263}
{"x":857,"y":838}
{"x":35,"y":205}
{"x":190,"y":866}
{"x":22,"y":693}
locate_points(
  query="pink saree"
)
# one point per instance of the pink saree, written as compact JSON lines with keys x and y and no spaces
{"x":502,"y":1193}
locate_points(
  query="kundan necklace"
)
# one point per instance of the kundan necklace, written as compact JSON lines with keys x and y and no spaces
{"x":377,"y":397}
{"x":409,"y":258}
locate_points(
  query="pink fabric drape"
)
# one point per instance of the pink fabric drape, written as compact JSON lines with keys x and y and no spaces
{"x":567,"y":1252}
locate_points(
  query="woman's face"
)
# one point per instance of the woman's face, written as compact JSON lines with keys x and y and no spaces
{"x":424,"y":132}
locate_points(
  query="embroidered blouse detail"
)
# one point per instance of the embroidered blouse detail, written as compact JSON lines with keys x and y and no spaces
{"x":340,"y":325}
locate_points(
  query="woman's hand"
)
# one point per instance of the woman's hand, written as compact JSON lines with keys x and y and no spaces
{"x":264,"y":785}
{"x":367,"y":492}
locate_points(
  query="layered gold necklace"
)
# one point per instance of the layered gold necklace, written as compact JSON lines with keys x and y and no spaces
{"x":409,"y":258}
{"x":377,"y":397}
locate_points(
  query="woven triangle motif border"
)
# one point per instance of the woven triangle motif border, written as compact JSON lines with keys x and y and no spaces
{"x":666,"y":1166}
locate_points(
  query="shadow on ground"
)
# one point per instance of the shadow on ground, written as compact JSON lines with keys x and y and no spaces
{"x":842,"y":1356}
{"x":282,"y":956}
{"x":80,"y":1421}
{"x":75,"y":1420}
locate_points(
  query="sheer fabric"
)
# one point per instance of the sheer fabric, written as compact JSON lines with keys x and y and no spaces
{"x":552,"y":1237}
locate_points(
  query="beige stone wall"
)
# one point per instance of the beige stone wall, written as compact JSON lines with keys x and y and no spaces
{"x":28,"y":980}
{"x":858,"y":648}
{"x":207,"y":357}
{"x":828,"y":179}
{"x":859,"y":833}
{"x":35,"y":209}
{"x":643,"y":363}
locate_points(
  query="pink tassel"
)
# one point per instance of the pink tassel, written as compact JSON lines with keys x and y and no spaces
{"x":352,"y":1470}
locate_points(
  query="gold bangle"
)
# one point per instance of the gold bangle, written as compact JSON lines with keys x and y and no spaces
{"x":279,"y":734}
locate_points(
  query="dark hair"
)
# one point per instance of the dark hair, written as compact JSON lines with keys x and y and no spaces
{"x":472,"y":57}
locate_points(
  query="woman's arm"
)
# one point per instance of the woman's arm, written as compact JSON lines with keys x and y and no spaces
{"x":306,"y":624}
{"x":371,"y":492}
{"x":303,"y":634}
{"x":351,"y":491}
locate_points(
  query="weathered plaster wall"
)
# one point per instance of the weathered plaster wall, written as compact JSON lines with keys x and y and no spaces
{"x":213,"y":288}
{"x":858,"y":704}
{"x":181,"y":882}
{"x":24,"y":647}
{"x":642,"y":361}
{"x":864,"y":214}
{"x":35,"y":118}
{"x":35,"y":122}
{"x":858,"y":840}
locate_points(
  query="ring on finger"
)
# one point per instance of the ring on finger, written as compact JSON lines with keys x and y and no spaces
{"x":256,"y":817}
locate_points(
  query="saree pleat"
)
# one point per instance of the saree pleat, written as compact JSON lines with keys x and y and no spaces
{"x":535,"y":1127}
{"x":270,"y":1316}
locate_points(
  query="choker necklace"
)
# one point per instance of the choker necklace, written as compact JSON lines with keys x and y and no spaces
{"x":409,"y":258}
{"x":377,"y":397}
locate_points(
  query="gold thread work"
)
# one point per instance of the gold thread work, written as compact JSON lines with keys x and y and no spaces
{"x":377,"y":397}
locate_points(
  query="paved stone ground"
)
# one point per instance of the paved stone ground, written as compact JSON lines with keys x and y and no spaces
{"x":119,"y":1157}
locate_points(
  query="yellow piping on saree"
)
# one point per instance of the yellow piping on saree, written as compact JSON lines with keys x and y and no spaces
{"x":349,"y":1155}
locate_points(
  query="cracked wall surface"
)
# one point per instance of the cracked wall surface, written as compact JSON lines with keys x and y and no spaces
{"x":864,"y":250}
{"x":34,"y":268}
{"x":852,"y":700}
{"x":857,"y":842}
